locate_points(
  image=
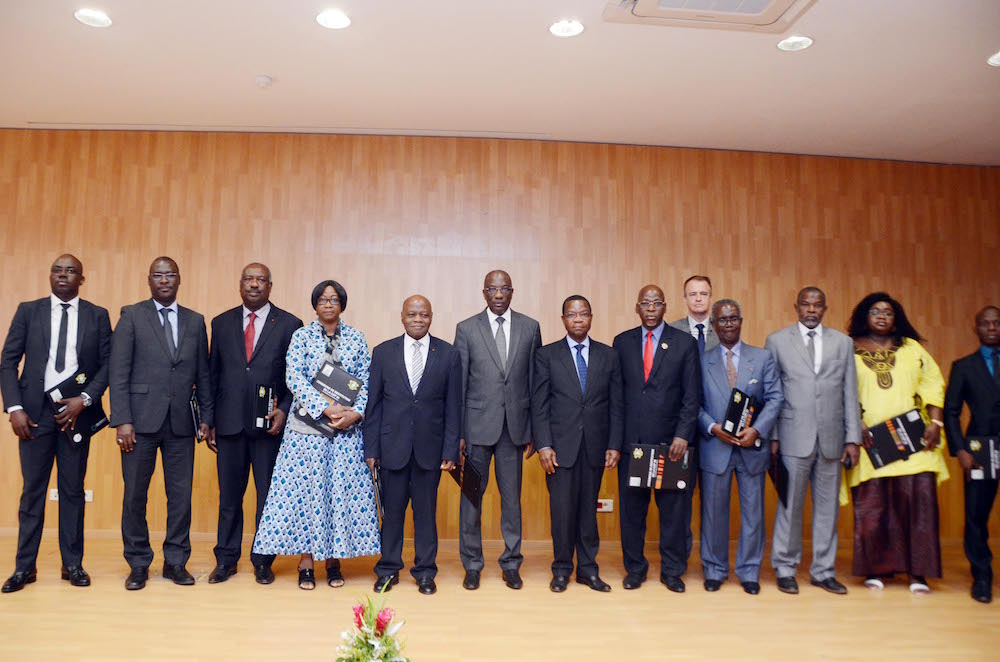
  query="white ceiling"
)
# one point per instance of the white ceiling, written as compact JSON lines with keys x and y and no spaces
{"x":895,"y":79}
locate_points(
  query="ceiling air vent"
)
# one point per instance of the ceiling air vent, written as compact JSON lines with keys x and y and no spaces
{"x":753,"y":15}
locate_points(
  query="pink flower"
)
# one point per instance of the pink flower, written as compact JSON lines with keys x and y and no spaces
{"x":359,"y":614}
{"x":382,"y":620}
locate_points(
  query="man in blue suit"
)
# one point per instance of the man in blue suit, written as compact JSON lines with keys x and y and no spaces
{"x":411,"y":431}
{"x":734,"y":364}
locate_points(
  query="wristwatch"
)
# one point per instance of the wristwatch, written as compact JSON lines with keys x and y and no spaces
{"x":87,"y":401}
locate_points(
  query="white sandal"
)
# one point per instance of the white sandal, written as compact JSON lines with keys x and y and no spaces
{"x":875,"y":584}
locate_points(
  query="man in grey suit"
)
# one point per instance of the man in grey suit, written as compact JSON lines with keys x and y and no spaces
{"x":818,"y":428}
{"x":725,"y":452}
{"x":497,"y":347}
{"x":698,"y":298}
{"x":159,"y":353}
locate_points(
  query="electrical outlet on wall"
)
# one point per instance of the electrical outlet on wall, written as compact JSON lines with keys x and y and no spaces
{"x":88,"y":496}
{"x":605,"y":505}
{"x":54,"y":494}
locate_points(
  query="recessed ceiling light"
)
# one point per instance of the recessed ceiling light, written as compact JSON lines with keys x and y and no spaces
{"x":994,"y":60}
{"x":793,"y":44}
{"x":566,"y":28}
{"x":95,"y":18}
{"x":333,"y":19}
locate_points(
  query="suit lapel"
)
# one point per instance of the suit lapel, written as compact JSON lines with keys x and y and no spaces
{"x":429,"y":364}
{"x":795,"y":338}
{"x":983,"y":371}
{"x":746,"y":370}
{"x":594,"y":366}
{"x":237,"y":332}
{"x":269,"y":325}
{"x":717,"y":371}
{"x":659,"y":352}
{"x":399,"y":352}
{"x":516,"y":333}
{"x":490,"y":340}
{"x":567,"y":357}
{"x":183,"y":322}
{"x":44,"y":312}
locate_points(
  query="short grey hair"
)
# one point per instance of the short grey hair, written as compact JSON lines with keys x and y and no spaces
{"x":725,"y":302}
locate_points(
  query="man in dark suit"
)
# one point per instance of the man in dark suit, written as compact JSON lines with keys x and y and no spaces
{"x":159,"y":353}
{"x":698,"y":299}
{"x":497,"y":347}
{"x":576,"y":409}
{"x":661,"y":377}
{"x":248,"y":354}
{"x":975,"y":381}
{"x":60,"y":337}
{"x":411,"y":432}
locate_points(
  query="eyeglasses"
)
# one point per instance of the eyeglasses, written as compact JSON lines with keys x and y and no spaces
{"x":572,"y":316}
{"x":881,"y":312}
{"x":729,"y":321}
{"x":327,"y":301}
{"x":159,"y":276}
{"x":492,"y":291}
{"x":651,"y":305}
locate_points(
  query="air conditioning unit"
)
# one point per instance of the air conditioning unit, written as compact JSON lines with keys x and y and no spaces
{"x":749,"y":15}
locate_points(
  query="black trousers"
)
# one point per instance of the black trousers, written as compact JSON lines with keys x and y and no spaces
{"x":979,"y":497}
{"x":178,"y":472}
{"x":573,"y":507}
{"x":419,"y":487}
{"x":237,"y":456}
{"x":674,"y":511}
{"x":36,"y":457}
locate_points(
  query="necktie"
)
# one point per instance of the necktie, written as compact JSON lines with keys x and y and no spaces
{"x":64,"y":330}
{"x":647,"y":355}
{"x":701,"y":338}
{"x":581,"y":367}
{"x":501,"y":339}
{"x":996,"y":365}
{"x":730,"y":369}
{"x":248,"y":335}
{"x":416,"y":367}
{"x":811,"y":346}
{"x":169,"y":330}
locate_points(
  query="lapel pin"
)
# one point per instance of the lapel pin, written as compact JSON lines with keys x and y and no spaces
{"x":664,"y":345}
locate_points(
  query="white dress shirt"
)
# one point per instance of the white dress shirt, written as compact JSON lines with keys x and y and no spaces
{"x":506,"y":325}
{"x":258,"y":323}
{"x":585,"y":351}
{"x":52,"y":377}
{"x":817,"y":343}
{"x":173,"y":318}
{"x":408,"y":349}
{"x":692,"y":325}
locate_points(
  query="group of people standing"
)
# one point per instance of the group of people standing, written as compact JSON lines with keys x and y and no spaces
{"x":494,"y":397}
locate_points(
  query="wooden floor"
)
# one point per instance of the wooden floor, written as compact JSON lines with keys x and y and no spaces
{"x":245,"y":621}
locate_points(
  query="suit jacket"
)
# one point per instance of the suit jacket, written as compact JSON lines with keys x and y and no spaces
{"x":490,"y":394}
{"x":400,"y":424}
{"x":757,"y":377}
{"x":971,"y":383}
{"x":566,"y":418}
{"x":667,"y":405}
{"x":30,"y":336}
{"x":147,"y":384}
{"x":711,"y":338}
{"x":820,"y":406}
{"x":234,"y":379}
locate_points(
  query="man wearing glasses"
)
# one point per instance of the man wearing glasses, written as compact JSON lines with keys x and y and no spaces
{"x":661,"y":377}
{"x":159,"y":353}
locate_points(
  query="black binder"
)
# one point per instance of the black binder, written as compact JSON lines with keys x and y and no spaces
{"x":337,"y":386}
{"x":470,"y":480}
{"x":264,"y":403}
{"x":650,"y":466}
{"x":740,"y":412}
{"x":779,"y":476}
{"x":896,"y":438}
{"x":195,"y":414}
{"x":986,"y":452}
{"x":90,"y":421}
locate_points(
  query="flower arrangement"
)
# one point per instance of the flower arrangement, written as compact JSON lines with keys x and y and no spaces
{"x":374,"y":636}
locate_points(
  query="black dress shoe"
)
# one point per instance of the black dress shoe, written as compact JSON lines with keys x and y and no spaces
{"x":632,"y":582}
{"x":558,"y":583}
{"x":137,"y":579}
{"x":788,"y":585}
{"x":385,"y":583}
{"x":76,"y":575}
{"x":178,"y":574}
{"x":471,"y":581}
{"x":594,"y":582}
{"x":17,"y":581}
{"x":712,"y":585}
{"x":753,"y":588}
{"x":512,"y":579}
{"x":221,"y":573}
{"x":263,"y":574}
{"x":426,"y":585}
{"x":673,"y":582}
{"x":829,"y":584}
{"x":982,"y":591}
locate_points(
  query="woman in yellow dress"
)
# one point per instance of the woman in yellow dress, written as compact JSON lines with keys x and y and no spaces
{"x":896,"y":507}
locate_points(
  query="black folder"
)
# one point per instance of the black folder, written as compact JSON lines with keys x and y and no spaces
{"x":337,"y":386}
{"x":896,"y":438}
{"x":779,"y":476}
{"x":650,"y":466}
{"x":740,"y":412}
{"x":90,"y":421}
{"x":195,"y":414}
{"x":470,"y":480}
{"x":263,"y":406}
{"x":986,"y":452}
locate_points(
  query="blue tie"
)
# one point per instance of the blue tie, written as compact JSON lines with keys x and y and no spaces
{"x":701,"y":338}
{"x":581,"y":367}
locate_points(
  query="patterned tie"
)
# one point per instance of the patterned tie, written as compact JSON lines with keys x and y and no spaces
{"x":581,"y":367}
{"x":730,"y":369}
{"x":169,"y":330}
{"x":416,"y":366}
{"x":248,"y":335}
{"x":501,"y":340}
{"x":811,"y":346}
{"x":701,"y":338}
{"x":996,"y":365}
{"x":63,"y":331}
{"x":647,"y":355}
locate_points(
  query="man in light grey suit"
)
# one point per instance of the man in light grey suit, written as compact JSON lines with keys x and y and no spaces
{"x":724,"y":452}
{"x":497,"y":347}
{"x":698,"y":297}
{"x":818,"y":428}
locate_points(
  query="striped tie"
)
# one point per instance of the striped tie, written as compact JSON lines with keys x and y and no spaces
{"x":416,"y":366}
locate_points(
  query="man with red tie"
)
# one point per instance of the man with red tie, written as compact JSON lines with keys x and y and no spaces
{"x":661,"y":376}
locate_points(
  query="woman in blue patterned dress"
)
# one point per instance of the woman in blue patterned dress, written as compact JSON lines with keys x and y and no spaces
{"x":321,"y":503}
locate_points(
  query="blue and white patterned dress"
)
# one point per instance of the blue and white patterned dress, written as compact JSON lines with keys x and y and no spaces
{"x":322,"y":499}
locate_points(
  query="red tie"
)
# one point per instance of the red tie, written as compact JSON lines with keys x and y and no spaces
{"x":248,"y":337}
{"x":647,"y":355}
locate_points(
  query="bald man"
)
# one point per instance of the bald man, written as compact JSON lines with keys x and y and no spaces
{"x":65,"y":342}
{"x":411,"y":433}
